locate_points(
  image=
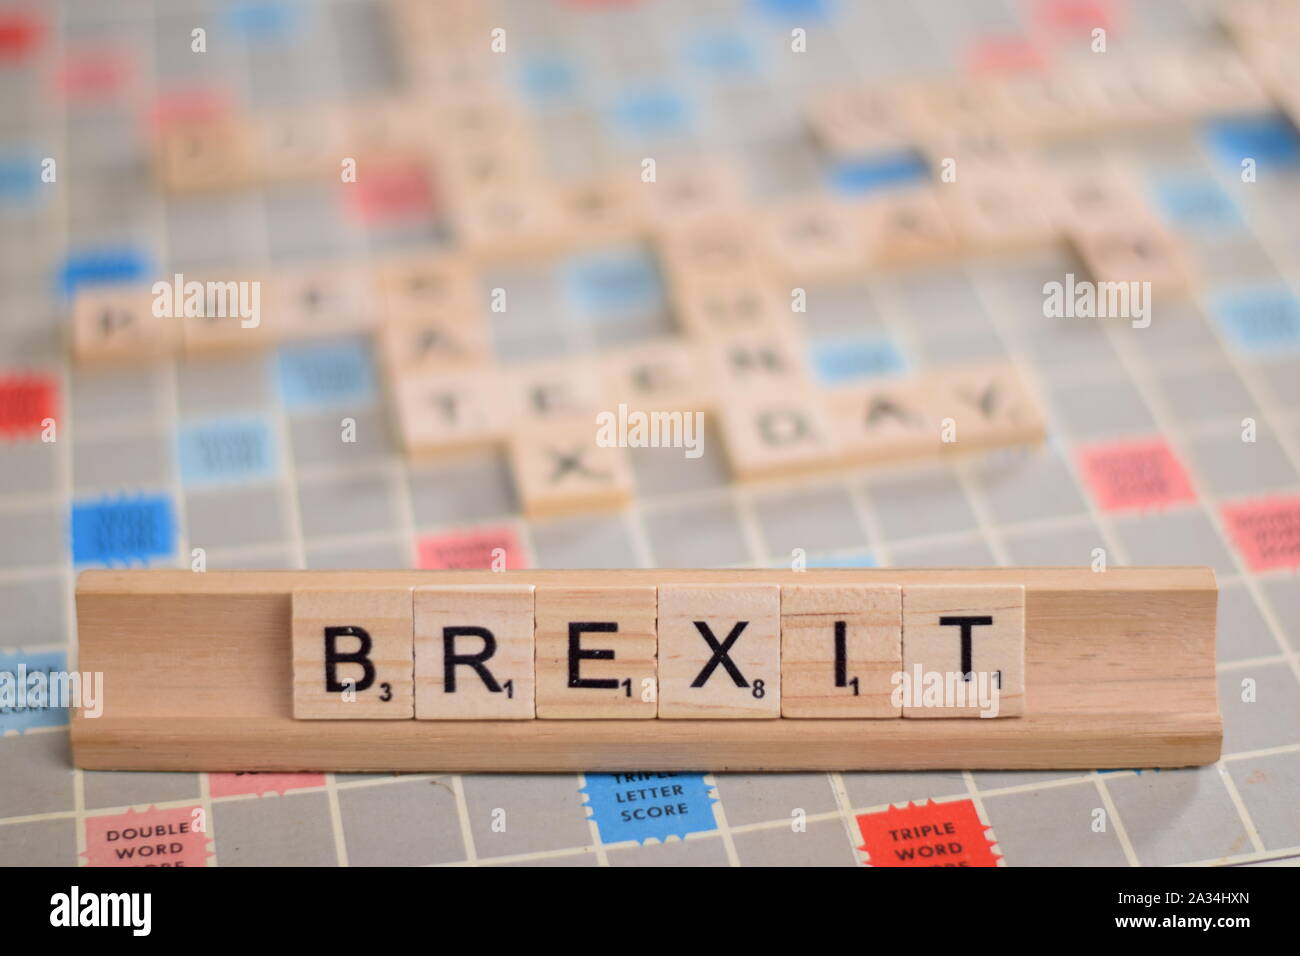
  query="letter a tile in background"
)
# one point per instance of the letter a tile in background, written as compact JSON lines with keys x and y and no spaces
{"x":474,"y":653}
{"x":990,"y":405}
{"x":352,"y":654}
{"x":955,"y":632}
{"x":596,"y":649}
{"x":885,"y":421}
{"x":719,"y":650}
{"x":840,"y":648}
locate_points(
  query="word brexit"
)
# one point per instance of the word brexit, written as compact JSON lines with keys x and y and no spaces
{"x":671,"y":651}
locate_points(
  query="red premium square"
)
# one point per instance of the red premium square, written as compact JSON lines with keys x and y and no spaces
{"x":928,"y":834}
{"x":1135,"y":475}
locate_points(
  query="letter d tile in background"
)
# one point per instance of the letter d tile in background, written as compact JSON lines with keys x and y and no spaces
{"x":474,"y":653}
{"x":719,"y":650}
{"x":596,"y":650}
{"x":950,"y":633}
{"x":352,"y":654}
{"x":841,"y":645}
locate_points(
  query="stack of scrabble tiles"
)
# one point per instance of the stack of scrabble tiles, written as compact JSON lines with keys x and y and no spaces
{"x":675,"y":651}
{"x":736,"y":270}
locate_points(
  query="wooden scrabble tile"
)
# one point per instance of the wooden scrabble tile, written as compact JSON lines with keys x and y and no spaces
{"x":885,"y":421}
{"x":857,"y":122}
{"x":665,"y":375}
{"x":596,"y":652}
{"x":979,"y":151}
{"x":414,"y":288}
{"x":690,"y":190}
{"x":929,"y":106}
{"x":520,"y":219}
{"x":998,"y":213}
{"x":320,"y":303}
{"x":203,"y":155}
{"x":437,"y":342}
{"x":717,"y":246}
{"x":812,"y":239}
{"x":559,"y":469}
{"x":459,"y":71}
{"x":474,"y":652}
{"x":298,"y":143}
{"x":352,"y":654}
{"x":951,"y":633}
{"x":479,"y":121}
{"x":757,"y":362}
{"x":782,"y":432}
{"x":428,"y":26}
{"x":205,"y":334}
{"x":984,"y":406}
{"x":1095,"y":199}
{"x":553,"y":388}
{"x":442,"y":410}
{"x":386,"y":126}
{"x":486,"y":163}
{"x":1045,"y":106}
{"x":1213,"y":82}
{"x":1272,"y":60}
{"x":112,"y":323}
{"x":908,"y":228}
{"x":1251,"y":19}
{"x":719,"y":305}
{"x":482,"y":123}
{"x":719,"y":651}
{"x":1128,"y":94}
{"x":601,"y":212}
{"x":841,"y":645}
{"x":1139,"y":252}
{"x":237,"y":315}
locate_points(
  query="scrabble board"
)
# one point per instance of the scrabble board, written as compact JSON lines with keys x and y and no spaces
{"x":1170,"y":442}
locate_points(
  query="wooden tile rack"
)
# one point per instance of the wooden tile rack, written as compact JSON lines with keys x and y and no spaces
{"x":197,"y":671}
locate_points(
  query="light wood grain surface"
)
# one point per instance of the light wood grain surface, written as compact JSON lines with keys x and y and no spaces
{"x":500,"y":613}
{"x":630,"y":672}
{"x":997,"y":647}
{"x":872,"y":625}
{"x":741,"y":679}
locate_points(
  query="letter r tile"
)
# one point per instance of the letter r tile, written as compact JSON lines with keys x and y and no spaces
{"x":719,"y":650}
{"x":352,"y":654}
{"x":474,"y":653}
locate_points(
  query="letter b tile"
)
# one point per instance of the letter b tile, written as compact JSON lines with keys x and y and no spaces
{"x":352,"y":654}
